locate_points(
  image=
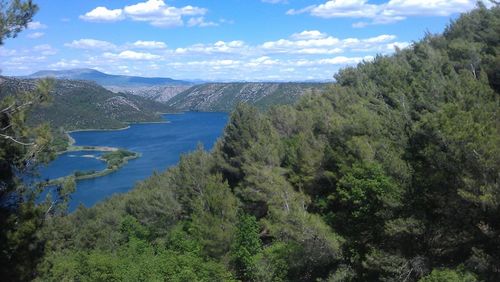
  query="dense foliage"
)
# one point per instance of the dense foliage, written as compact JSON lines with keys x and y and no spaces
{"x":391,"y":175}
{"x":14,"y":17}
{"x":21,"y":148}
{"x":117,"y":158}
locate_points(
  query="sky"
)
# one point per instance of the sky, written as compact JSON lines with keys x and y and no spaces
{"x":224,"y":40}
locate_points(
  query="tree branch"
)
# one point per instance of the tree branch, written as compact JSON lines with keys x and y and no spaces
{"x":8,"y":109}
{"x":16,"y":141}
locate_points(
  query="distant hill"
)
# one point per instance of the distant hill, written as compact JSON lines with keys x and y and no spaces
{"x":85,"y":105}
{"x":159,"y":93}
{"x":105,"y":79}
{"x":225,"y":96}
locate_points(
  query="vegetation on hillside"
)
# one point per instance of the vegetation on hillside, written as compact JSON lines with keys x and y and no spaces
{"x":223,"y":97}
{"x":21,"y":148}
{"x":390,"y":175}
{"x":83,"y":105}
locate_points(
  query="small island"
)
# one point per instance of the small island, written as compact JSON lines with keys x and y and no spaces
{"x":115,"y":158}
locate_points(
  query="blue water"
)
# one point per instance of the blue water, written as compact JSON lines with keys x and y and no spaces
{"x":160,"y":144}
{"x":69,"y":163}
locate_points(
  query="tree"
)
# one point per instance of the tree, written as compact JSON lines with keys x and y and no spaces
{"x":14,"y":17}
{"x":448,"y":275}
{"x":214,"y":217}
{"x":21,"y":148}
{"x":246,"y":245}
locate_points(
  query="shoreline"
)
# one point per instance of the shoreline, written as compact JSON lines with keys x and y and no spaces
{"x":72,"y":148}
{"x":96,"y":174}
{"x":120,"y":129}
{"x":97,"y":129}
{"x":72,"y":141}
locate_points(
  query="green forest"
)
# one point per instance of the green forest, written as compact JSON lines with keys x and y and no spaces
{"x":392,"y":174}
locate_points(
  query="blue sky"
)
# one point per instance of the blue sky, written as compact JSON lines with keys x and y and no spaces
{"x":286,"y":40}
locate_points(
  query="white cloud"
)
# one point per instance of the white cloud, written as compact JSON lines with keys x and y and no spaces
{"x":87,"y":43}
{"x":309,"y":34}
{"x":315,"y":43}
{"x":380,"y":38}
{"x":262,"y":61}
{"x":4,"y":52}
{"x":266,"y":68}
{"x":103,"y":14}
{"x":343,"y":60}
{"x":65,"y":64}
{"x":200,"y":21}
{"x":400,"y":45}
{"x":36,"y":26}
{"x":233,"y":47}
{"x":157,"y":13}
{"x":384,"y":13}
{"x":307,"y":53}
{"x":215,"y":63}
{"x":45,"y":49}
{"x":150,"y":44}
{"x":154,"y":12}
{"x":132,"y":55}
{"x":35,"y":35}
{"x":339,"y":60}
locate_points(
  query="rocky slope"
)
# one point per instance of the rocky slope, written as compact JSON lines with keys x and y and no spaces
{"x":224,"y":96}
{"x":159,"y":93}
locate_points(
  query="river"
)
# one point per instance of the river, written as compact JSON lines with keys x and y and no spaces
{"x":160,"y":146}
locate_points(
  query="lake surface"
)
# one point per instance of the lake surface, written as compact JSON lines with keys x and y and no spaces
{"x":161,"y":145}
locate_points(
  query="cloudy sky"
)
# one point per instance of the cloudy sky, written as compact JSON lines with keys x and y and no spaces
{"x":221,"y":39}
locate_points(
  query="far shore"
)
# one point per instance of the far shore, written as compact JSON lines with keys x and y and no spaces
{"x":126,"y":127}
{"x":72,"y":141}
{"x":99,"y":129}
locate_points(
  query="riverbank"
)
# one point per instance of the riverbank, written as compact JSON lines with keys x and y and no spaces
{"x":71,"y":141}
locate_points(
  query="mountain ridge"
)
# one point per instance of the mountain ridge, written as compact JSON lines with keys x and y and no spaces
{"x":225,"y":96}
{"x":105,"y":79}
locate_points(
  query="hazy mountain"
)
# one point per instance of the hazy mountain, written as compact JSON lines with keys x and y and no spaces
{"x":105,"y":79}
{"x":224,"y":96}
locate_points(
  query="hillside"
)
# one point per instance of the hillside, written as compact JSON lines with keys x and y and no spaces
{"x":105,"y":79}
{"x":223,"y":97}
{"x":82,"y":105}
{"x":390,"y":175}
{"x":159,"y":93}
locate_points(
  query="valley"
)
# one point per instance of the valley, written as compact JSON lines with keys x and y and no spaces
{"x":331,"y":141}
